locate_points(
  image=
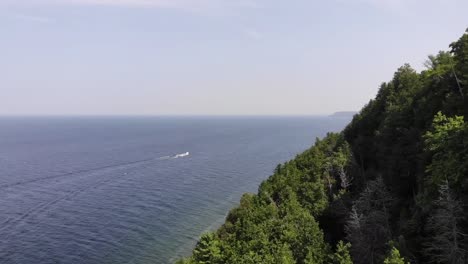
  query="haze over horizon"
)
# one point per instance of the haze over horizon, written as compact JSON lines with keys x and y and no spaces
{"x":212,"y":57}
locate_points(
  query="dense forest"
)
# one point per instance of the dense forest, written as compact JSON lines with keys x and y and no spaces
{"x":391,"y":188}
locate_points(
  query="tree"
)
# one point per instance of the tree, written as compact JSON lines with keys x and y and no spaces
{"x":305,"y":238}
{"x":368,"y":227}
{"x":395,"y":258}
{"x":460,"y":52}
{"x":446,"y":243}
{"x":284,"y":255}
{"x":447,"y":143}
{"x":341,"y":255}
{"x":185,"y":261}
{"x":207,"y":250}
{"x":388,"y":139}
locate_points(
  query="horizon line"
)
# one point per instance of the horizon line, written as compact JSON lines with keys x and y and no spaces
{"x":175,"y":115}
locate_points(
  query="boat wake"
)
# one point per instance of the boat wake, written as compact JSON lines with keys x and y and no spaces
{"x":85,"y":171}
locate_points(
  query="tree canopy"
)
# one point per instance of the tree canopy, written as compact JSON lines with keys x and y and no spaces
{"x":391,"y":188}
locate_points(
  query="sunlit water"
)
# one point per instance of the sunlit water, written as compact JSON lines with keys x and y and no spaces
{"x":114,"y":190}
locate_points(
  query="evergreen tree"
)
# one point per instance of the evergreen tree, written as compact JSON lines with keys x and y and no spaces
{"x":395,"y":258}
{"x":207,"y":250}
{"x":341,"y":255}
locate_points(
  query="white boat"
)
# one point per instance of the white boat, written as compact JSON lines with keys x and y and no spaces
{"x":182,"y":155}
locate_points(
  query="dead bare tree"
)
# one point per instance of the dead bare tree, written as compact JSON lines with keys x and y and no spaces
{"x":446,"y":245}
{"x":368,"y":227}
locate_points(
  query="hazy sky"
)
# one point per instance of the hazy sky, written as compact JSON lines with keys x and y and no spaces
{"x":198,"y":57}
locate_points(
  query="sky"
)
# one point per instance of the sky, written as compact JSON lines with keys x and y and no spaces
{"x":212,"y":57}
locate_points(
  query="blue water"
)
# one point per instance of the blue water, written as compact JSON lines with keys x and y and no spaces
{"x":109,"y":190}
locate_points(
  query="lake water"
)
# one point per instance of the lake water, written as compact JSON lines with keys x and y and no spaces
{"x":110,"y":190}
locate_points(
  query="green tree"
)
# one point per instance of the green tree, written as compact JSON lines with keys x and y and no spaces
{"x":207,"y":250}
{"x":396,"y":152}
{"x":460,"y":51}
{"x":284,"y":255}
{"x":185,"y":261}
{"x":341,"y":255}
{"x":447,"y":142}
{"x":395,"y":258}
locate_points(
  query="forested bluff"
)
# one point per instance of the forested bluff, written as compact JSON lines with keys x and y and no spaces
{"x":391,"y":188}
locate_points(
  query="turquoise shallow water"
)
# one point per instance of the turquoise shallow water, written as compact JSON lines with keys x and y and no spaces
{"x":111,"y":190}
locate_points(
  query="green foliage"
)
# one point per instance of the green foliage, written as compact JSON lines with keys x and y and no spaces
{"x":394,"y":257}
{"x":278,"y":225}
{"x":444,"y":128}
{"x":208,"y":250}
{"x":379,"y":180}
{"x":402,"y":136}
{"x":284,"y":255}
{"x":460,"y":51}
{"x":342,"y":256}
{"x":447,"y":142}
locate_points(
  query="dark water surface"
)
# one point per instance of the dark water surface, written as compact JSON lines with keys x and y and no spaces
{"x":109,"y":190}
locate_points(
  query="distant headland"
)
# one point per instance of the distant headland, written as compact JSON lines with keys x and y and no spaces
{"x":344,"y":114}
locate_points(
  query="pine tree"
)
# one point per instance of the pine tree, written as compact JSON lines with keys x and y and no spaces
{"x":395,"y":258}
{"x":342,"y":256}
{"x":207,"y":250}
